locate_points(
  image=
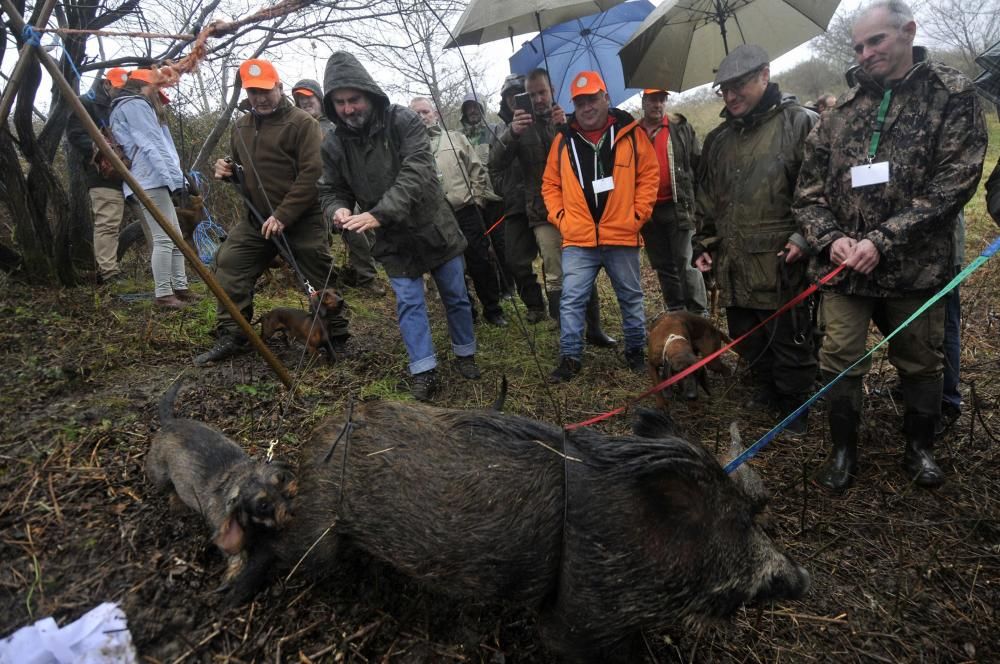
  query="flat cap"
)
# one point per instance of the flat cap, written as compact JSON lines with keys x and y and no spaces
{"x":741,"y":60}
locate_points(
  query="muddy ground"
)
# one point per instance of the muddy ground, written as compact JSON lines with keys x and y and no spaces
{"x":900,"y":574}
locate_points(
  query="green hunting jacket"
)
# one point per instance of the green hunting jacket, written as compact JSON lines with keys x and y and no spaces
{"x":749,"y":166}
{"x":684,"y":157}
{"x":934,"y":139}
{"x":388,"y":170}
{"x":280,"y":149}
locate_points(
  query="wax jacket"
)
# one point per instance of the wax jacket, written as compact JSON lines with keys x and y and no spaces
{"x":386,"y":168}
{"x":749,"y":166}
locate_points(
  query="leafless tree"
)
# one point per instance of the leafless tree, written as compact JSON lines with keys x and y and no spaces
{"x":966,"y":27}
{"x":836,"y":45}
{"x":413,"y":46}
{"x":52,"y":219}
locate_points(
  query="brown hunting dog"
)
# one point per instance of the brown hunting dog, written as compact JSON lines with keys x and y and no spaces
{"x":246,"y":503}
{"x":676,"y":340}
{"x":308,"y":328}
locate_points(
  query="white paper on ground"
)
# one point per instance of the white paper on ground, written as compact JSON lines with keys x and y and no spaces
{"x":100,"y":636}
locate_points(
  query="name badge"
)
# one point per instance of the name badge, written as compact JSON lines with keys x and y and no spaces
{"x":867,"y":174}
{"x":604,"y":184}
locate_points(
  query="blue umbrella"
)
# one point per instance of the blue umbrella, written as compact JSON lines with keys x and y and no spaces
{"x":588,"y":43}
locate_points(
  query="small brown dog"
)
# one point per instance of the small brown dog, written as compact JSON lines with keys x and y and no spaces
{"x":676,"y":340}
{"x":244,"y":502}
{"x":308,"y":328}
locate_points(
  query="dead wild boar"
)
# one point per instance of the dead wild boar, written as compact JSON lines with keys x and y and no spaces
{"x":603,"y":535}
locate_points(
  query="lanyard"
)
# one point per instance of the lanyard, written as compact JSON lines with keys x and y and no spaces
{"x":598,"y":167}
{"x":880,"y":122}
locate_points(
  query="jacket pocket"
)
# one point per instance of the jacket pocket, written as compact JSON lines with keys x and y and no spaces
{"x":763,"y":264}
{"x":625,"y":152}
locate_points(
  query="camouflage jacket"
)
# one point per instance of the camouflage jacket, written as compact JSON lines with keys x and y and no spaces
{"x":993,"y":193}
{"x":934,"y":139}
{"x":531,"y":149}
{"x":746,"y":183}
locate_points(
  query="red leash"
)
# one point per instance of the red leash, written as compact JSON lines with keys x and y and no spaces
{"x":502,"y":217}
{"x":705,"y":360}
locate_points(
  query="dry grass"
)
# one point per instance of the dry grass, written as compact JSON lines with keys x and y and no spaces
{"x":899,"y":574}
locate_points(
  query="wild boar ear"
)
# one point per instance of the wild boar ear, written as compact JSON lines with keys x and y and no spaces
{"x":677,"y":498}
{"x":648,"y":423}
{"x":229,"y":537}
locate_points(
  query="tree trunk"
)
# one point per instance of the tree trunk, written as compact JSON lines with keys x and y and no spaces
{"x":31,"y":231}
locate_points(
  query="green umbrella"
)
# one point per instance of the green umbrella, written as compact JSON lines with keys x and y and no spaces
{"x":683,"y":41}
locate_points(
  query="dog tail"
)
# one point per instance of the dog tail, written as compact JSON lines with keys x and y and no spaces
{"x":167,"y":400}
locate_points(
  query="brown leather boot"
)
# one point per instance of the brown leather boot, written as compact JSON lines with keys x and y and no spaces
{"x":169,"y":302}
{"x":188,"y":295}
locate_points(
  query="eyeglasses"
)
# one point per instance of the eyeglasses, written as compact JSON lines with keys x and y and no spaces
{"x":738,"y":84}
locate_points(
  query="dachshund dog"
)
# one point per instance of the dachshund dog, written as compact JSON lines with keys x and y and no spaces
{"x":308,"y":328}
{"x":296,"y":324}
{"x":676,"y":340}
{"x":245,"y":503}
{"x":327,"y":301}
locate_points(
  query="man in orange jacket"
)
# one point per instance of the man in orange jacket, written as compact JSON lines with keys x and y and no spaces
{"x":599,"y":187}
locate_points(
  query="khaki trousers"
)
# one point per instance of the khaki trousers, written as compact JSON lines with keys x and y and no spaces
{"x":916,"y":352}
{"x":108,"y":206}
{"x":549,"y":243}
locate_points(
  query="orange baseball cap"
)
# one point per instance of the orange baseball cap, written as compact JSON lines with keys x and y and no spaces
{"x":305,"y":92}
{"x":145,"y":75}
{"x":653,"y":91}
{"x":117,"y":76}
{"x":259,"y":74}
{"x":587,"y":83}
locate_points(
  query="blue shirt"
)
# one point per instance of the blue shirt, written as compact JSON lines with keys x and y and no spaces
{"x":147,"y":143}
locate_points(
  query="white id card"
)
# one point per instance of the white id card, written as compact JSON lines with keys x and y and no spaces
{"x":604,"y":184}
{"x":866,"y":174}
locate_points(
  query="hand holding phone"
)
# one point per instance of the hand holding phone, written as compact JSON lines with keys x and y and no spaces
{"x":522,"y":102}
{"x":523,"y":113}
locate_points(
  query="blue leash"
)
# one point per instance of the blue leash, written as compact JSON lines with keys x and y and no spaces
{"x":752,"y":451}
{"x":33,"y":37}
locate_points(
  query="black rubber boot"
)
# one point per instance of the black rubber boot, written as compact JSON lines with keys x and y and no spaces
{"x":841,"y":467}
{"x":918,"y":459}
{"x":923,"y":410}
{"x":568,"y":367}
{"x":800,"y":425}
{"x":595,"y":335}
{"x":554,"y":296}
{"x":227,"y":345}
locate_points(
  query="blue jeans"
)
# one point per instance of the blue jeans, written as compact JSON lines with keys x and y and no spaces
{"x":411,"y":309}
{"x":952,"y":348}
{"x":580,"y":266}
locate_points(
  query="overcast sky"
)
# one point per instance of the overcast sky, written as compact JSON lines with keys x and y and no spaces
{"x":309,"y":62}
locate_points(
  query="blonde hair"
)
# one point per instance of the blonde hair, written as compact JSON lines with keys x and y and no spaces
{"x":136,"y":86}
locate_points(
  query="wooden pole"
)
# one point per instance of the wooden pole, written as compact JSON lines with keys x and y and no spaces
{"x":140,"y":193}
{"x":24,"y":60}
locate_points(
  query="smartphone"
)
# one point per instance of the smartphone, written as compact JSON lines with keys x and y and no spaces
{"x":523,"y":101}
